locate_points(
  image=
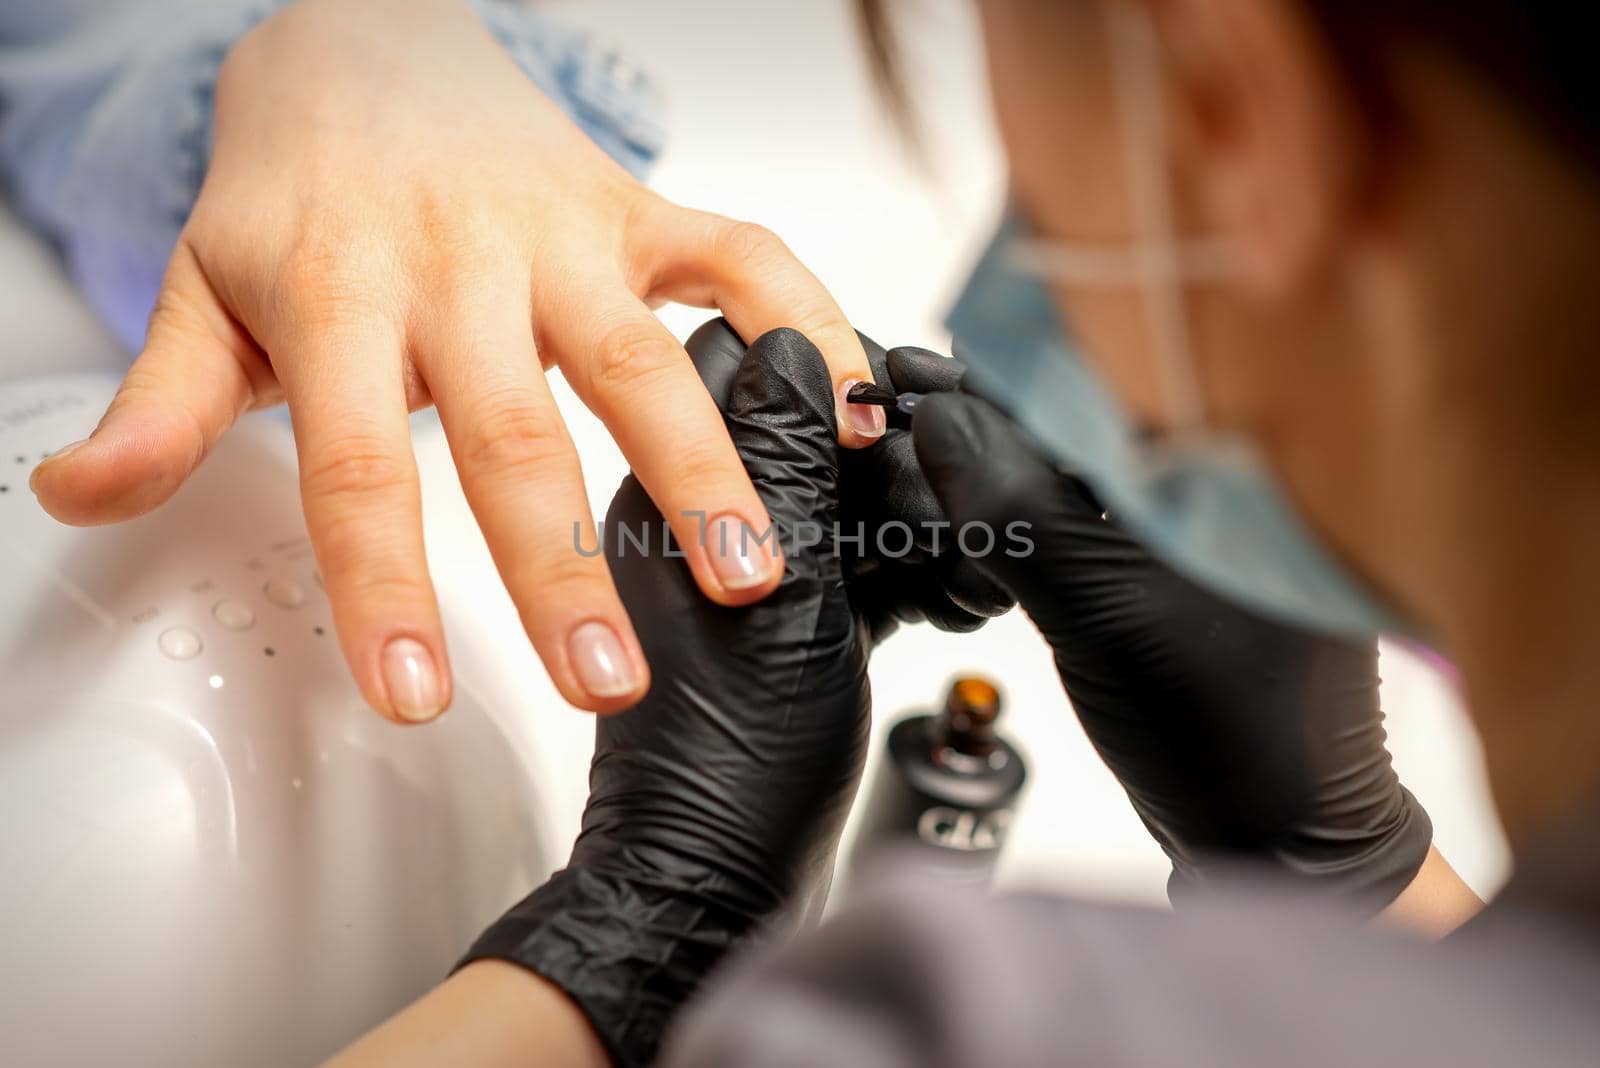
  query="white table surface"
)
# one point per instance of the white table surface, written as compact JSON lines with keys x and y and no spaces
{"x":773,"y":120}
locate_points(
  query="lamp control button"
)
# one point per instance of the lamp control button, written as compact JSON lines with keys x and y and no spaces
{"x":235,"y":615}
{"x":285,"y":593}
{"x":179,"y":643}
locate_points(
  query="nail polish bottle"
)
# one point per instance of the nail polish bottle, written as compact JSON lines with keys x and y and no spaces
{"x":946,"y":788}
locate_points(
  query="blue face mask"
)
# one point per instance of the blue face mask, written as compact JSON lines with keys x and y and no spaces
{"x":1207,"y":507}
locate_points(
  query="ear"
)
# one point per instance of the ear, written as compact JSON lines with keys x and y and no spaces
{"x":1270,"y":139}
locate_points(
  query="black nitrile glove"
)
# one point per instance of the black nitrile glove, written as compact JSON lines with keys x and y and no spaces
{"x":901,"y":563}
{"x":1238,"y":740}
{"x":716,"y":803}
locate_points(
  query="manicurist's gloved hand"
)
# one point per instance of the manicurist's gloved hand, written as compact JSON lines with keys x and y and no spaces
{"x":900,"y":557}
{"x":1237,"y":739}
{"x":716,"y":803}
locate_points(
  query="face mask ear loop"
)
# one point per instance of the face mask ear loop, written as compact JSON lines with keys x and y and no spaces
{"x":1159,"y":250}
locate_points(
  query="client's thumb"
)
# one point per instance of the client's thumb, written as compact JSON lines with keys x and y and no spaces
{"x":182,"y":394}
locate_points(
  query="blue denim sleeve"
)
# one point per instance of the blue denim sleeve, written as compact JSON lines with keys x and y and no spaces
{"x":105,"y":122}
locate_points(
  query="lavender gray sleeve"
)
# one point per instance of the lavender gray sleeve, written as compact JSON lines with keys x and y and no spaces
{"x":932,"y":980}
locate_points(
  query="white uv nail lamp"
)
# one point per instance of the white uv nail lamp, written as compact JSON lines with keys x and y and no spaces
{"x":211,"y":852}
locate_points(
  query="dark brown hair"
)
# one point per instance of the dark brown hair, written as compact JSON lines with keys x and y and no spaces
{"x":883,"y":53}
{"x":1533,"y":52}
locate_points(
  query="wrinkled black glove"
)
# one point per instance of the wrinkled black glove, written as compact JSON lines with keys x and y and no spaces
{"x":1238,"y":740}
{"x":717,"y":802}
{"x":900,"y":559}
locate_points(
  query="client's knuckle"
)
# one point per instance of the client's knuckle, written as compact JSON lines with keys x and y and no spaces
{"x":629,"y":354}
{"x":509,"y":436}
{"x":749,"y":244}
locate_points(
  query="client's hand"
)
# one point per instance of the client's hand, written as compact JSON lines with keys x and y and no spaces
{"x":717,"y":802}
{"x":1236,"y":739}
{"x":395,"y":216}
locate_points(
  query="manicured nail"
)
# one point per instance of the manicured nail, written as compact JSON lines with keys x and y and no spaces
{"x":740,"y":560}
{"x":867,"y":420}
{"x":603,"y":667}
{"x":52,"y":458}
{"x":412,"y":679}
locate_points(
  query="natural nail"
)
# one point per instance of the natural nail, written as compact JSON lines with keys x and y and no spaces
{"x":867,"y":420}
{"x":737,"y":556}
{"x":413,"y":680}
{"x":603,"y":667}
{"x":33,"y":477}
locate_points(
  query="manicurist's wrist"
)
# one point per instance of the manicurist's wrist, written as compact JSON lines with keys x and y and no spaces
{"x":627,"y":950}
{"x":489,"y":1014}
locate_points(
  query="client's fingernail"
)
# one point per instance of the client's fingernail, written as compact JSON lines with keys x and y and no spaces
{"x":412,"y":680}
{"x":58,"y":454}
{"x":740,"y":560}
{"x":603,"y":667}
{"x":867,"y":420}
